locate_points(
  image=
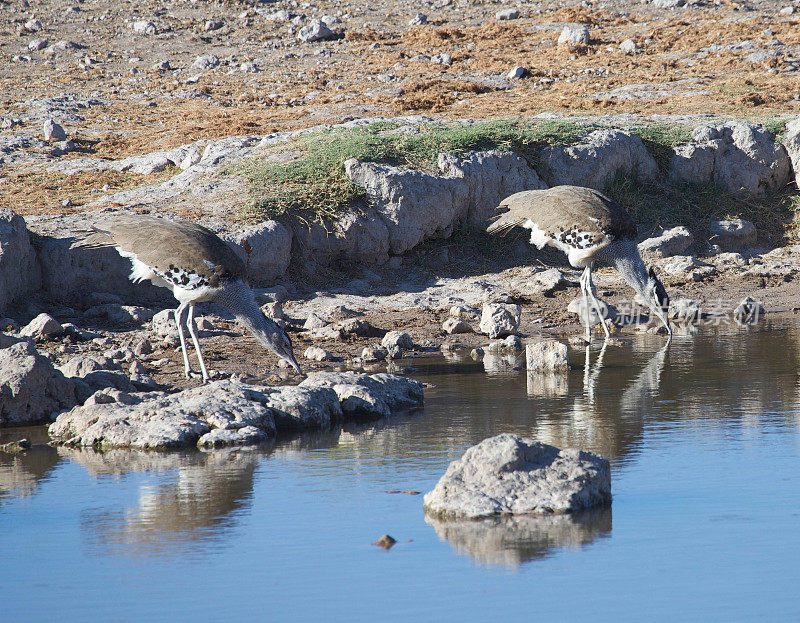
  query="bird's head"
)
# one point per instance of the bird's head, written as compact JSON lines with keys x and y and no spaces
{"x":657,"y":298}
{"x":272,"y":337}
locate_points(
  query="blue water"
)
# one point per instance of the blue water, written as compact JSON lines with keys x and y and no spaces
{"x":705,"y":522}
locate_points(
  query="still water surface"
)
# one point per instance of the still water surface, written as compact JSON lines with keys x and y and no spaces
{"x":705,"y":523}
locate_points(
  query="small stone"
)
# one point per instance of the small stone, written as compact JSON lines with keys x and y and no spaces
{"x":465,"y":312}
{"x":516,"y":73}
{"x":547,"y":356}
{"x":573,"y":35}
{"x":629,"y":46}
{"x":142,"y":347}
{"x":316,"y":30}
{"x":37,"y":44}
{"x":787,"y":10}
{"x":137,"y":367}
{"x":733,"y":234}
{"x":314,"y":322}
{"x":386,"y":542}
{"x":162,"y":66}
{"x":249,"y":68}
{"x":499,"y":320}
{"x":43,"y":327}
{"x":442,"y":59}
{"x":53,"y":132}
{"x":505,"y":14}
{"x":374,"y":353}
{"x":315,"y":353}
{"x":456,"y":325}
{"x":144,"y":28}
{"x":213,"y":25}
{"x":205,"y":61}
{"x":418,"y":20}
{"x":33,"y":25}
{"x":397,"y":338}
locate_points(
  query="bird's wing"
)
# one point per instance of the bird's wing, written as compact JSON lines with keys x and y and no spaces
{"x":170,"y":246}
{"x":563,"y":208}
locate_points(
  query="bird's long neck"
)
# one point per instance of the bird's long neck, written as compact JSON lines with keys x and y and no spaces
{"x":628,"y":262}
{"x":238,"y":298}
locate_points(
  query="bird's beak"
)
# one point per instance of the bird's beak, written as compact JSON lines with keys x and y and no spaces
{"x":290,"y":358}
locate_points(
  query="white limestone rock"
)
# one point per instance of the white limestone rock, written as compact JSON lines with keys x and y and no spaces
{"x":397,"y":338}
{"x":414,"y":206}
{"x":733,"y":235}
{"x":672,"y":241}
{"x":500,"y":319}
{"x":456,"y":325}
{"x":20,"y":273}
{"x":43,"y":327}
{"x":316,"y":30}
{"x":595,"y":160}
{"x":266,"y":249}
{"x":399,"y":393}
{"x":547,"y":356}
{"x":739,"y":157}
{"x":315,"y":353}
{"x":791,"y":141}
{"x":573,"y":35}
{"x":31,"y":389}
{"x":510,"y":475}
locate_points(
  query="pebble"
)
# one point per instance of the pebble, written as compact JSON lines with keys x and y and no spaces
{"x":213,"y":25}
{"x":144,"y":28}
{"x":507,"y":14}
{"x":442,"y":59}
{"x":574,"y":34}
{"x":629,"y":46}
{"x":37,"y":44}
{"x":516,"y":73}
{"x":418,"y":20}
{"x":33,"y":25}
{"x":53,"y":131}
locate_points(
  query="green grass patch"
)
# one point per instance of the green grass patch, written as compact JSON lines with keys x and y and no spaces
{"x":314,"y":182}
{"x":660,"y":138}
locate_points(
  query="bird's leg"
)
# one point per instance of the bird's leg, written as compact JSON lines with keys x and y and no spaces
{"x":187,"y":370}
{"x":597,"y":305}
{"x":587,"y":311}
{"x":193,"y":333}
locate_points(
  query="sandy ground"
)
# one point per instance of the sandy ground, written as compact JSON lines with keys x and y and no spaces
{"x":726,"y":57}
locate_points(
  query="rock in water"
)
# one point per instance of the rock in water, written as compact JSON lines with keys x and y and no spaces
{"x":547,"y":356}
{"x":510,"y":475}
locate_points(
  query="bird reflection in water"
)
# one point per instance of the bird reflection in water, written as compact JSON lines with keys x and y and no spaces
{"x":512,"y":541}
{"x":198,"y":495}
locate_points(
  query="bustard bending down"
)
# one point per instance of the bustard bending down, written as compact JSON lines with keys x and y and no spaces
{"x":588,"y":227}
{"x":197,"y":266}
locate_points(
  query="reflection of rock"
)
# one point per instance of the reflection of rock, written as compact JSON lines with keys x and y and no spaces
{"x":21,"y":472}
{"x":511,"y":541}
{"x":507,"y":474}
{"x":547,"y":384}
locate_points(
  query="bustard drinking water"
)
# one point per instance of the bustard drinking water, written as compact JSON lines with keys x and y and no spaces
{"x":588,"y":227}
{"x":197,"y":266}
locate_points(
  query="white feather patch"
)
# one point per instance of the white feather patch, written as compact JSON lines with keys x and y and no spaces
{"x":538,"y":236}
